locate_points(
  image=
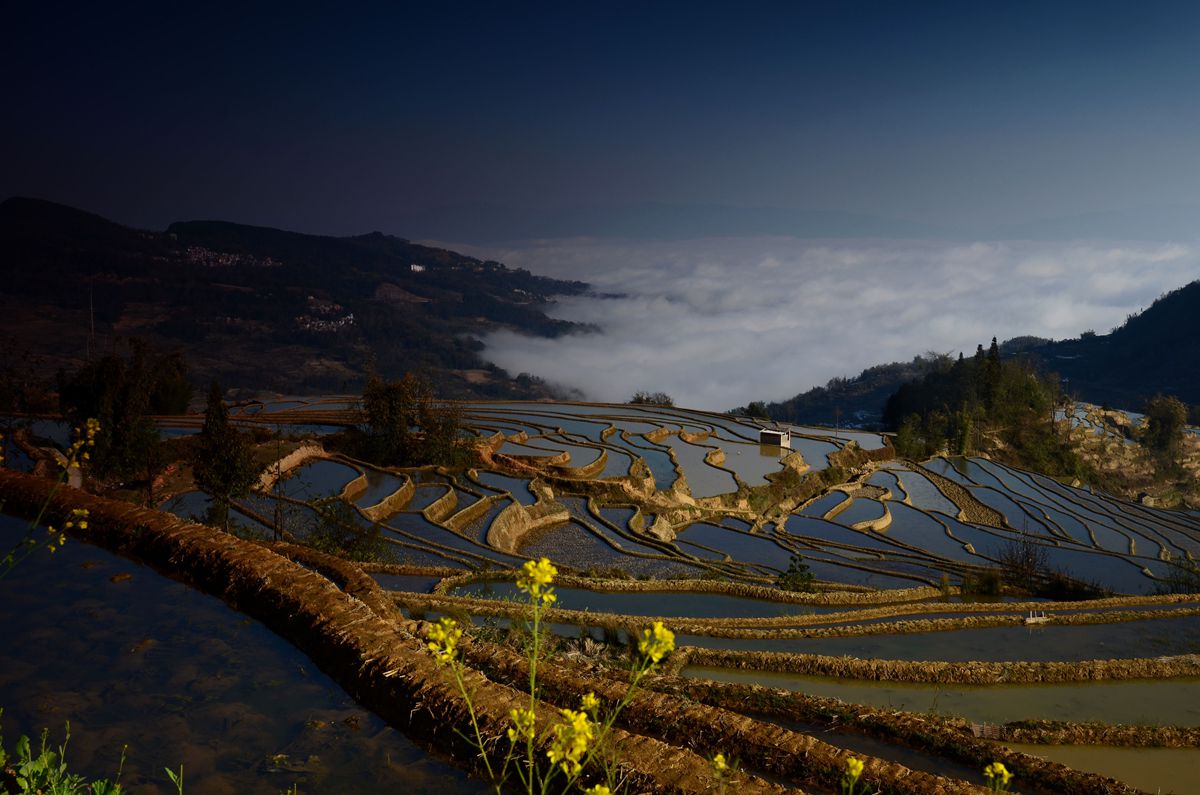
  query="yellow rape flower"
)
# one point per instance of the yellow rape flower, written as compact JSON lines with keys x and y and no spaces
{"x":535,"y":580}
{"x":854,"y":769}
{"x":656,"y":642}
{"x":541,"y":573}
{"x":524,"y":725}
{"x":719,"y":764}
{"x":571,"y":739}
{"x":590,"y":703}
{"x":599,"y":789}
{"x":443,"y":639}
{"x":998,"y":776}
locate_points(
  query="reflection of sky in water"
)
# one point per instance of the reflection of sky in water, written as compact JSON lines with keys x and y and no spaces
{"x":182,"y":679}
{"x":1128,"y":640}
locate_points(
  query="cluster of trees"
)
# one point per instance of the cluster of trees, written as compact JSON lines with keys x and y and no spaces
{"x":798,"y":577}
{"x":222,"y":460}
{"x":24,"y":389}
{"x":406,"y":425}
{"x":642,"y":398}
{"x":964,"y":406}
{"x":123,"y":392}
{"x":1166,"y":418}
{"x":860,"y":396}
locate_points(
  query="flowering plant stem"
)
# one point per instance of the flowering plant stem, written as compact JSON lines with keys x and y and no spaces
{"x":26,"y":545}
{"x":580,"y":738}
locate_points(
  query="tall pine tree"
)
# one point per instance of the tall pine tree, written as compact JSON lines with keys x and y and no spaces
{"x":222,"y":466}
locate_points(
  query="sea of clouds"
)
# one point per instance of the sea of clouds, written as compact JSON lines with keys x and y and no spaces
{"x":717,"y":323}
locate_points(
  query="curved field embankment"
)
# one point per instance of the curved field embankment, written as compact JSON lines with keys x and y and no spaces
{"x":408,"y":569}
{"x":586,"y":471}
{"x":442,"y":508}
{"x":849,"y":623}
{"x":476,"y":510}
{"x":352,"y":634}
{"x":951,"y":738}
{"x":844,"y":667}
{"x":954,"y":673}
{"x":721,"y":587}
{"x":1057,"y":732}
{"x":393,"y":503}
{"x":970,"y":509}
{"x":298,"y":457}
{"x":516,"y":521}
{"x":759,"y":745}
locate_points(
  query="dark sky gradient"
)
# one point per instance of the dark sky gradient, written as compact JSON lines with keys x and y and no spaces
{"x":455,"y":121}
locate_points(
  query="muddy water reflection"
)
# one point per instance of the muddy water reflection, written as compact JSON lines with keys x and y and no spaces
{"x":1166,"y":702}
{"x":1149,"y":769}
{"x":131,"y":657}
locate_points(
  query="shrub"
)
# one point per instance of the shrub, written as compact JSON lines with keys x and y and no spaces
{"x":798,"y":576}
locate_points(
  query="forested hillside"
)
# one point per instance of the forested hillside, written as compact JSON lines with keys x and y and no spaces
{"x":263,"y":309}
{"x":1155,"y":351}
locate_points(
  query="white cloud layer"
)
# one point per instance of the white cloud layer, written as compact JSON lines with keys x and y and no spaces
{"x":719,"y":322}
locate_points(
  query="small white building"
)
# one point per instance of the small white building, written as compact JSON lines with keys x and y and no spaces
{"x":779,"y":438}
{"x":415,"y":268}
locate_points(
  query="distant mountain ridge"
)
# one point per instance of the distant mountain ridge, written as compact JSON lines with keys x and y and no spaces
{"x":265,"y":308}
{"x":1155,"y":351}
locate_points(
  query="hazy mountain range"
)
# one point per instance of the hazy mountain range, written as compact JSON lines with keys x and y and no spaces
{"x":1155,"y":351}
{"x":259,"y":308}
{"x":266,"y":309}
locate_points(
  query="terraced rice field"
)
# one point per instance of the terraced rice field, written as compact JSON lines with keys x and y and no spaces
{"x":596,"y":488}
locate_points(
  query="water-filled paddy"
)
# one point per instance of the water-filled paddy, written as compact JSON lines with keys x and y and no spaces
{"x":824,"y":504}
{"x":751,"y":462}
{"x":1147,"y":769}
{"x":191,"y":505}
{"x":518,"y":487}
{"x":543,"y":449}
{"x":816,"y":531}
{"x":704,"y":480}
{"x":660,"y":463}
{"x":322,"y":478}
{"x":380,"y":486}
{"x":477,"y":529}
{"x":917,"y":529}
{"x":1152,"y":703}
{"x":14,"y":457}
{"x":415,"y":528}
{"x":1128,"y":640}
{"x":923,"y":494}
{"x":862,"y":509}
{"x":177,"y":431}
{"x":416,"y":583}
{"x":129,"y":657}
{"x":573,"y":545}
{"x":740,"y":546}
{"x":55,"y":431}
{"x":425,"y":495}
{"x":815,"y":453}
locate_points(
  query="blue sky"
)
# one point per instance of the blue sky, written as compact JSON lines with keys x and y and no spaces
{"x":782,"y":192}
{"x":484,"y":121}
